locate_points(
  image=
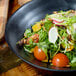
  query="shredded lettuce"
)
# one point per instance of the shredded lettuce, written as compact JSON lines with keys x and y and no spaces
{"x":44,"y":46}
{"x":73,"y":62}
{"x":42,"y":35}
{"x":48,"y":24}
{"x":74,"y":35}
{"x":73,"y":19}
{"x":28,"y":50}
{"x":72,"y":57}
{"x":27,"y":33}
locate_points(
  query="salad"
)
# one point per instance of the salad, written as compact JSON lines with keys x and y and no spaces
{"x":53,"y":39}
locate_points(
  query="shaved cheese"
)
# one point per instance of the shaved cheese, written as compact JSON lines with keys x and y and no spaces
{"x":53,"y":35}
{"x":68,"y":32}
{"x":74,"y":25}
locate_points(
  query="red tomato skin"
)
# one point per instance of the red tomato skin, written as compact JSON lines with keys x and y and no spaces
{"x":60,"y":60}
{"x":39,"y":54}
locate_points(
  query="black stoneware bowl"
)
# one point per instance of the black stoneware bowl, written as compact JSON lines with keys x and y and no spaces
{"x":27,"y":15}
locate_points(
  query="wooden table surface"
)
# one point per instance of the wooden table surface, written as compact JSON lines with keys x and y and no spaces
{"x":15,"y":65}
{"x":3,"y":16}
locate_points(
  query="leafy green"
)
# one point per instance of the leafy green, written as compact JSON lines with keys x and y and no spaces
{"x":53,"y":49}
{"x":73,"y":62}
{"x":73,"y":19}
{"x":32,"y":45}
{"x":72,"y":57}
{"x":70,"y":20}
{"x":47,"y":25}
{"x":30,"y":41}
{"x":42,"y":35}
{"x":28,"y":50}
{"x":75,"y":45}
{"x":74,"y":35}
{"x":62,"y":32}
{"x":27,"y":33}
{"x":44,"y":46}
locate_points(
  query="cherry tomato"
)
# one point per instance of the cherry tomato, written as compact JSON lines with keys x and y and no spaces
{"x":60,"y":60}
{"x":39,"y":54}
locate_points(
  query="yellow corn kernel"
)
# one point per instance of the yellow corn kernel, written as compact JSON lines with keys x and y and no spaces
{"x":46,"y":60}
{"x":32,"y":50}
{"x":71,"y":48}
{"x":36,"y":27}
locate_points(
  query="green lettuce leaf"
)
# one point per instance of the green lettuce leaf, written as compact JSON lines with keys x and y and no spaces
{"x":42,"y":35}
{"x":27,"y":33}
{"x":73,"y":62}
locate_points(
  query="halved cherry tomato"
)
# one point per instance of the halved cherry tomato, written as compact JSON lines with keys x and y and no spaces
{"x":39,"y":54}
{"x":60,"y":60}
